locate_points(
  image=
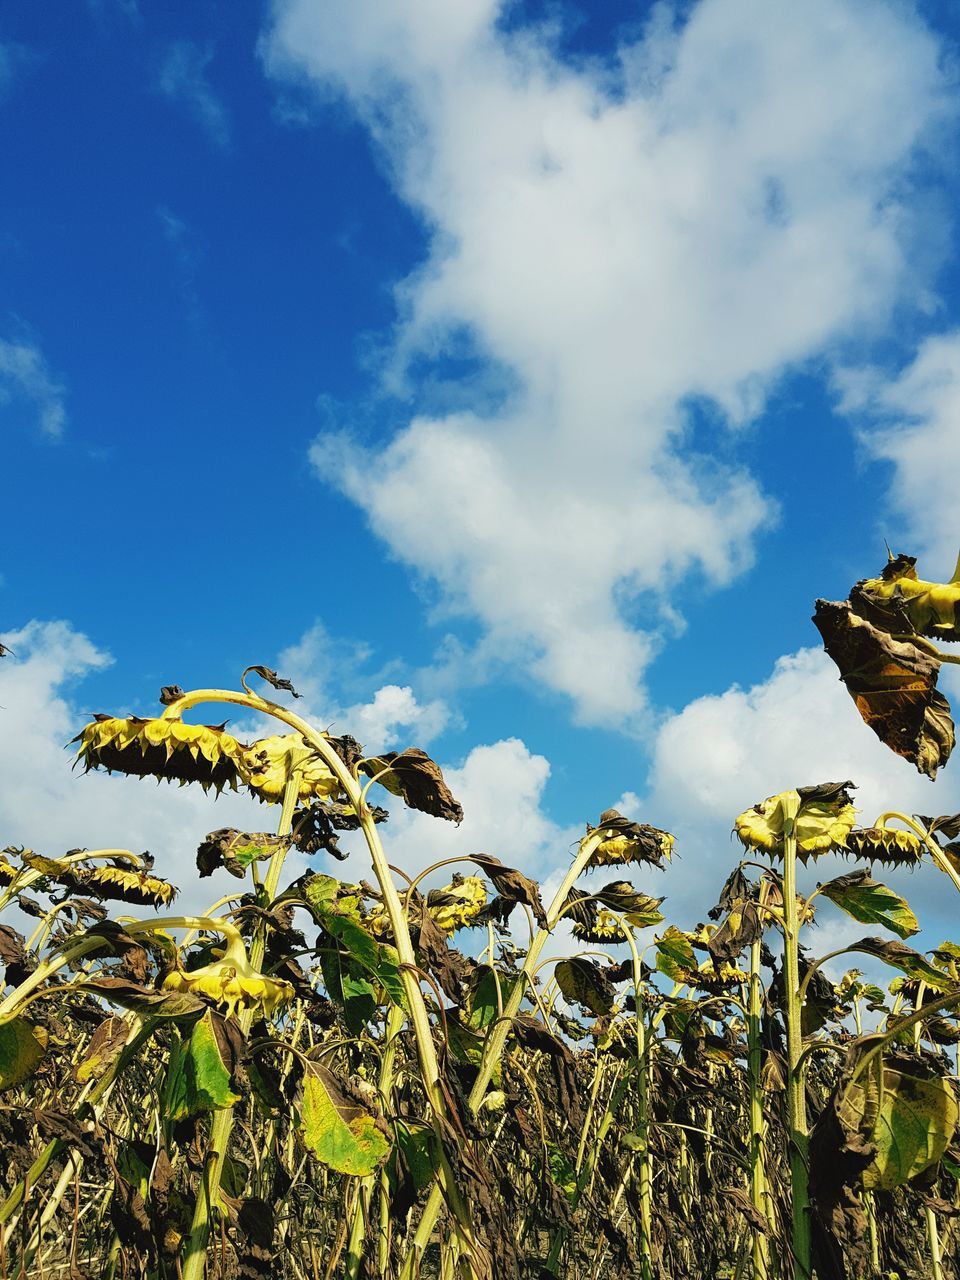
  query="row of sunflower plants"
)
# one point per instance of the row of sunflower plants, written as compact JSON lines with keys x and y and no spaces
{"x":311,"y":1080}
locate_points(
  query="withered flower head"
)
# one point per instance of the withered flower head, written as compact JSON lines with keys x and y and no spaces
{"x":457,"y":904}
{"x":264,"y":767}
{"x":158,"y":748}
{"x":824,"y":820}
{"x":626,"y":842}
{"x":129,"y":885}
{"x":890,"y":845}
{"x":933,"y":608}
{"x":604,"y":926}
{"x":233,"y":982}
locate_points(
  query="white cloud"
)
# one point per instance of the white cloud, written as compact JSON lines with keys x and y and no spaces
{"x":916,"y":416}
{"x":25,"y":375}
{"x":721,"y":754}
{"x":183,"y":78}
{"x":393,"y":717}
{"x":733,"y":201}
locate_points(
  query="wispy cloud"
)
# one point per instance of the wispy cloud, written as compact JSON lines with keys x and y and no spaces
{"x":26,"y":377}
{"x":183,"y":78}
{"x":631,"y":243}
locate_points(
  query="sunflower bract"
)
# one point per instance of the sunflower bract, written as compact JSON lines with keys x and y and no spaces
{"x":160,"y":748}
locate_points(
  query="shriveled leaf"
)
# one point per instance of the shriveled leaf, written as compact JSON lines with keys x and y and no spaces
{"x":640,"y":909}
{"x":870,"y":902}
{"x":235,"y":850}
{"x":583,"y":982}
{"x":512,"y":885}
{"x":22,"y":1047}
{"x":337,"y":1128}
{"x":908,"y":961}
{"x":271,"y":677}
{"x":145,"y":1000}
{"x":104,"y":1048}
{"x":893,"y":684}
{"x":417,"y":780}
{"x":739,"y":930}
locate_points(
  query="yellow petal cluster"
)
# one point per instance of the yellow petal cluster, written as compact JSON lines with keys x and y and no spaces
{"x":820,"y":825}
{"x":890,"y":845}
{"x":265,"y":764}
{"x":233,"y":982}
{"x":130,"y":885}
{"x":604,"y":927}
{"x":620,"y":850}
{"x":457,"y":905}
{"x":932,"y":607}
{"x":161,"y":748}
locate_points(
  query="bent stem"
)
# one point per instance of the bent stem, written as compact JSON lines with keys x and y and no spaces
{"x":797,"y":1135}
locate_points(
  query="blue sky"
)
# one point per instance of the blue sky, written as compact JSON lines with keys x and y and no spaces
{"x":513,"y":377}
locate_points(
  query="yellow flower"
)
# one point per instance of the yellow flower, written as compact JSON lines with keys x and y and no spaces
{"x":232,"y":981}
{"x":604,"y":927}
{"x":627,"y":842}
{"x":265,"y":764}
{"x":161,"y":748}
{"x":890,"y":845}
{"x":932,"y":607}
{"x":824,"y":820}
{"x":457,"y":904}
{"x":130,"y":886}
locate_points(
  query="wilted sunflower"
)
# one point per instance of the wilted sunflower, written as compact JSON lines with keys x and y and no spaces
{"x":161,"y":748}
{"x":130,"y":885}
{"x":264,"y":766}
{"x":931,"y":607}
{"x":603,"y":927}
{"x":8,"y":872}
{"x":625,"y":842}
{"x":824,"y":820}
{"x":890,"y":845}
{"x":232,"y":981}
{"x":457,"y":904}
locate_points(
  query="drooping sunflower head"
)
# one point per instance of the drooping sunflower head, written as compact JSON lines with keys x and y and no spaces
{"x":932,"y":608}
{"x":604,"y":926}
{"x":233,"y":982}
{"x":457,"y":904}
{"x":825,"y":817}
{"x":264,"y":767}
{"x":130,"y":885}
{"x":161,"y":748}
{"x":624,"y":842}
{"x":891,"y":846}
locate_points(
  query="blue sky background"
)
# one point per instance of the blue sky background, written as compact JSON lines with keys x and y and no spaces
{"x":226,"y":239}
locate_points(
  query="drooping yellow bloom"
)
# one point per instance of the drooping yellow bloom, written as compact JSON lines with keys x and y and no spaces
{"x":890,"y":845}
{"x":457,"y":904}
{"x":823,"y":822}
{"x":603,"y":927}
{"x":161,"y":748}
{"x":932,"y":607}
{"x":265,"y":764}
{"x":646,"y":844}
{"x":130,"y":885}
{"x":233,"y":982}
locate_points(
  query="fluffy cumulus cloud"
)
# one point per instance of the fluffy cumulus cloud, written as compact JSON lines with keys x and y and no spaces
{"x":393,"y":717}
{"x":631,"y":244}
{"x":723,"y":753}
{"x":915,"y":416}
{"x":26,"y":378}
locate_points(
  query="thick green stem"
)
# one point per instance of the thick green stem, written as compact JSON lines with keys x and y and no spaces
{"x":933,"y":1242}
{"x":798,"y":1137}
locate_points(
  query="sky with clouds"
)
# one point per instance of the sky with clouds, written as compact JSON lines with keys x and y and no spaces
{"x":513,"y":377}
